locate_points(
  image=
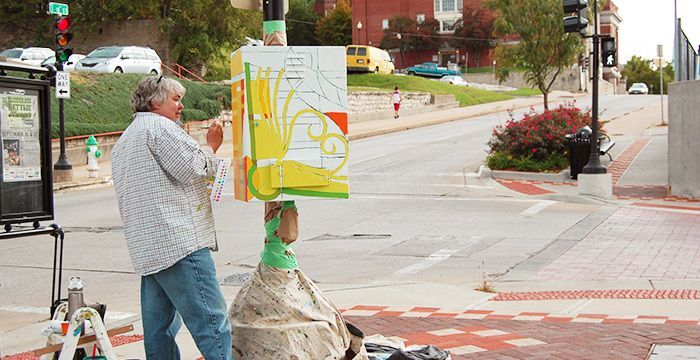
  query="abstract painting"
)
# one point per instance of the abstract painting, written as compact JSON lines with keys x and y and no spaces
{"x":290,"y":123}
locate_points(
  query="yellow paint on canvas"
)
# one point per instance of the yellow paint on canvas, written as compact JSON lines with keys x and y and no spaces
{"x":292,"y":174}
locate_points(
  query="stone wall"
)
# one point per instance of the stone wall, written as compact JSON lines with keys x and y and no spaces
{"x":376,"y":101}
{"x":683,"y":135}
{"x":568,"y":80}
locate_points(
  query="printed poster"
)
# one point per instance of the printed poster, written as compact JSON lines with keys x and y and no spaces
{"x":19,"y":135}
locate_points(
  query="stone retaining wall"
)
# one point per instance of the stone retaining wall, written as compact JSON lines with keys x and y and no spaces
{"x":377,"y":101}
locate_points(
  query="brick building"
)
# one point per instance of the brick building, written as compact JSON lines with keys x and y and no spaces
{"x":370,"y":18}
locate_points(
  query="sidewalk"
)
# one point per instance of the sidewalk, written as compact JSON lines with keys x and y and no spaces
{"x":587,"y":295}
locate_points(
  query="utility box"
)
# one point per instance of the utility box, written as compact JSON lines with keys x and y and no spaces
{"x":290,"y":123}
{"x":26,"y":193}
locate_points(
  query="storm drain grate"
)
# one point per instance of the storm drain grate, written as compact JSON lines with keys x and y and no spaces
{"x":237,"y":279}
{"x":327,"y":237}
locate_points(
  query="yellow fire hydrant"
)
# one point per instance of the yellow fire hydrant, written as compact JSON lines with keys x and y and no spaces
{"x":93,"y":153}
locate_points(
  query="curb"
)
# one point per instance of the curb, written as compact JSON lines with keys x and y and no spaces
{"x":560,"y":177}
{"x":81,"y":183}
{"x":403,"y":127}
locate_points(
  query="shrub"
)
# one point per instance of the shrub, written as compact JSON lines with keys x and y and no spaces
{"x":194,"y":115}
{"x":503,"y":161}
{"x":538,"y":136}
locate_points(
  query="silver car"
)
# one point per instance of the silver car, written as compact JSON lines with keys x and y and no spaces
{"x":31,"y":55}
{"x":121,"y":59}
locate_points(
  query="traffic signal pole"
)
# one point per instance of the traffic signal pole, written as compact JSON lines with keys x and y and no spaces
{"x":594,"y":166}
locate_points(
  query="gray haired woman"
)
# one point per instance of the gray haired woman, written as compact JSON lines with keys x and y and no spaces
{"x":159,"y":175}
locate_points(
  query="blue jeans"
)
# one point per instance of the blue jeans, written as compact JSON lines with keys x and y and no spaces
{"x":188,"y":289}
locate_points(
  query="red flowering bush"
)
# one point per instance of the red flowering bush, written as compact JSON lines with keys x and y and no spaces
{"x":539,"y":136}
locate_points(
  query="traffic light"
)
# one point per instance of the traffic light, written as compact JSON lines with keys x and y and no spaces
{"x":62,"y":38}
{"x":609,"y":52}
{"x":575,"y":23}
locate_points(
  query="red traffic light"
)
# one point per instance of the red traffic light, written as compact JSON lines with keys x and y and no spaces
{"x":63,"y":23}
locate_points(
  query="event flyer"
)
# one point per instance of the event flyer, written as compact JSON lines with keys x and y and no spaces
{"x":19,"y":135}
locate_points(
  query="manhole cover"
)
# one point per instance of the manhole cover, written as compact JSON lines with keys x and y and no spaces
{"x":237,"y":279}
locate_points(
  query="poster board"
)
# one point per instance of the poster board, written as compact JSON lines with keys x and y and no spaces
{"x":290,"y":123}
{"x":26,"y":193}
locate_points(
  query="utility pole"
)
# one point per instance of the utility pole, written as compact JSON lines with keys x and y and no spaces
{"x":660,"y":54}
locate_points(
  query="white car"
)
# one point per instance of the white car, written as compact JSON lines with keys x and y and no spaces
{"x":31,"y":55}
{"x":638,"y":88}
{"x":68,"y":65}
{"x":455,"y":80}
{"x":121,"y":59}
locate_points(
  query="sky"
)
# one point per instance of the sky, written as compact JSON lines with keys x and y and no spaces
{"x":647,"y":23}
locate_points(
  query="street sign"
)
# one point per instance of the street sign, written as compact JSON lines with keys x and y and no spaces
{"x":58,"y":9}
{"x":62,"y":85}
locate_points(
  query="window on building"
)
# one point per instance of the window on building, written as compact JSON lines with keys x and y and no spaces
{"x":385,"y":24}
{"x":447,"y":25}
{"x":448,"y":5}
{"x":460,"y":5}
{"x":437,"y":5}
{"x":420,"y":19}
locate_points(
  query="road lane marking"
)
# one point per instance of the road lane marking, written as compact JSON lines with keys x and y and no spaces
{"x":534,"y":209}
{"x":431,"y":260}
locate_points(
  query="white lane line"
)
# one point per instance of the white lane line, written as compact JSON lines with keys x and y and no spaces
{"x":365,"y":160}
{"x":431,"y":260}
{"x":112,"y":315}
{"x":534,"y":209}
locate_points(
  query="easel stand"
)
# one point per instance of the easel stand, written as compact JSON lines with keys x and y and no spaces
{"x":56,"y":231}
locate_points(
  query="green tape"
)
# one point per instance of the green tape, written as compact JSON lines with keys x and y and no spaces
{"x":270,"y":27}
{"x":276,"y":253}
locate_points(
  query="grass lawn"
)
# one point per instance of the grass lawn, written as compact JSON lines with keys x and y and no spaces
{"x":466,"y":96}
{"x":525,"y":92}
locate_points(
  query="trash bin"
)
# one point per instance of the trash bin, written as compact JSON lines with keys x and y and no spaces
{"x":579,"y":150}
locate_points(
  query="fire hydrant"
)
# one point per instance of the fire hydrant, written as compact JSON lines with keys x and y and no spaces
{"x":93,"y":153}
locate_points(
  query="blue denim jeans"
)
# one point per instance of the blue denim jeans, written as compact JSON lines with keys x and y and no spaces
{"x":187,"y":290}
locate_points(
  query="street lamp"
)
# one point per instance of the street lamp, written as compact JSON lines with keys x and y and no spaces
{"x":398,"y":36}
{"x":359,"y":33}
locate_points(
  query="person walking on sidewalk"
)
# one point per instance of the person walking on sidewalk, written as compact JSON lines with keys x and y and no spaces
{"x":396,"y":100}
{"x":159,"y":177}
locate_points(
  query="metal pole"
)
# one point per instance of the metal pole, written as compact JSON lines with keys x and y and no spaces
{"x":274,"y":29}
{"x":594,"y":166}
{"x":661,"y":86}
{"x":62,"y":163}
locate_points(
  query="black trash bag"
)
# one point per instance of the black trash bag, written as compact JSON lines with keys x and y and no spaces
{"x":427,"y":353}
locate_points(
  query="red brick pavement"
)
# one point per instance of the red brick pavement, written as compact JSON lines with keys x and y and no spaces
{"x":598,"y":294}
{"x":117,"y":340}
{"x":633,"y":243}
{"x":524,"y":187}
{"x":553,"y":340}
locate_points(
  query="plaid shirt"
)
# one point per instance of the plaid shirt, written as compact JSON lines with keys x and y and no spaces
{"x":158,"y":172}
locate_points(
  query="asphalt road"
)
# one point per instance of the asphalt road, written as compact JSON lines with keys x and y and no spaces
{"x":416,"y":214}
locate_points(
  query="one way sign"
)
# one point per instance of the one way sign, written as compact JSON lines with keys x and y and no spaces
{"x":62,"y":85}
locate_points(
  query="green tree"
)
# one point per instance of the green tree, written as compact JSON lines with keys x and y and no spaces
{"x":301,"y":21}
{"x":544,"y":50}
{"x":335,"y":29}
{"x":473,"y":32}
{"x":414,"y":36}
{"x":639,"y":70}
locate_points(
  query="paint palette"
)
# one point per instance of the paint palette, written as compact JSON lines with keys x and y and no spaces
{"x":217,"y":187}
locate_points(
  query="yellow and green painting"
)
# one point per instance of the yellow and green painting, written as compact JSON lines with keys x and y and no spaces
{"x":290,"y":123}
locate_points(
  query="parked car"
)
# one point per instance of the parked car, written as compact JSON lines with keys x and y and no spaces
{"x":121,"y":59}
{"x":368,"y":59}
{"x":638,"y":88}
{"x":68,"y":65}
{"x":454,"y":79}
{"x":430,"y":69}
{"x":31,"y":55}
